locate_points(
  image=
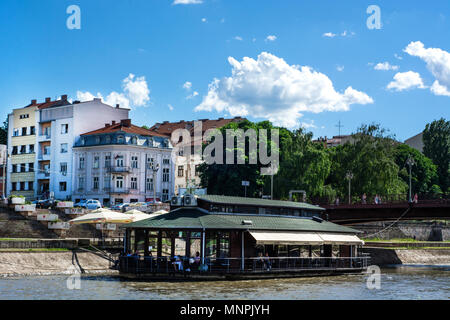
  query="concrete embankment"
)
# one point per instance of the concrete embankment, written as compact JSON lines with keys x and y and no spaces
{"x":384,"y":256}
{"x":46,"y":263}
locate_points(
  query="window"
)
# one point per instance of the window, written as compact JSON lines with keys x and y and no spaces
{"x":80,"y":183}
{"x":119,"y":161}
{"x":64,"y":128}
{"x":31,"y":167}
{"x":106,"y":182}
{"x":22,"y":186}
{"x":134,"y":140}
{"x":63,"y":186}
{"x":83,"y":141}
{"x":64,"y":148}
{"x":166,"y":173}
{"x":48,"y":132}
{"x":47,"y":150}
{"x":197,"y":167}
{"x":32,"y":130}
{"x":30,"y":185}
{"x":31,"y":148}
{"x":133,"y":183}
{"x":14,"y":150}
{"x":24,"y":131}
{"x":63,"y":168}
{"x":97,"y":140}
{"x":23,"y":149}
{"x":96,"y":162}
{"x":108,"y":139}
{"x":120,"y":139}
{"x":165,"y":195}
{"x":107,"y":161}
{"x":22,"y":167}
{"x":134,"y":162}
{"x":16,"y":133}
{"x":24,"y":116}
{"x":166,"y":161}
{"x":14,"y":168}
{"x":46,"y":170}
{"x":149,"y":185}
{"x":180,"y":171}
{"x":95,"y":185}
{"x":81,"y":162}
{"x":119,"y":182}
{"x":14,"y":186}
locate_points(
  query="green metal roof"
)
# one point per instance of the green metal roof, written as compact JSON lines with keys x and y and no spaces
{"x":194,"y":218}
{"x":258,"y":202}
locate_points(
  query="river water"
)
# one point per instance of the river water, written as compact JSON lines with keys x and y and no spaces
{"x":400,"y":282}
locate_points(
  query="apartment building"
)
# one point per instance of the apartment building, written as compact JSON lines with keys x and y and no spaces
{"x":117,"y":163}
{"x":42,"y":136}
{"x":186,"y":166}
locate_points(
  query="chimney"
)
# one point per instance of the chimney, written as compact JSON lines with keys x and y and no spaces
{"x":33,"y":102}
{"x":220,"y":119}
{"x":64,"y":97}
{"x":48,"y":99}
{"x":126,"y":122}
{"x":113,"y":122}
{"x":107,"y":125}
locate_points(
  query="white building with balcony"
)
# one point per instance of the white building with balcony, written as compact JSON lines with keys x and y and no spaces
{"x":115,"y":164}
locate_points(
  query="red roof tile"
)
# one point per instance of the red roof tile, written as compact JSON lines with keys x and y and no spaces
{"x":125,"y":128}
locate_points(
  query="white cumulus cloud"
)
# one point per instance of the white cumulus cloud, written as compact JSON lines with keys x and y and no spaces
{"x":238,"y":38}
{"x":135,"y":93}
{"x":187,"y":85}
{"x":406,"y":80}
{"x":271,"y":38}
{"x":438,"y":63}
{"x":385,"y":66}
{"x":170,"y":107}
{"x":270,"y":88}
{"x":329,"y":35}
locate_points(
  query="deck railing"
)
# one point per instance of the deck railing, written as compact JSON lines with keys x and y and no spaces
{"x":139,"y":265}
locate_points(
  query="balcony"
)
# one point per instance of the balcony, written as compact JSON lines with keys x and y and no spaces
{"x":44,"y":137}
{"x":43,"y":174}
{"x":119,"y":169}
{"x":119,"y":191}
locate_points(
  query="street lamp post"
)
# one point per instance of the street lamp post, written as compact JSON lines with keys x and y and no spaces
{"x":410,"y":162}
{"x":349,"y":177}
{"x":154,"y":169}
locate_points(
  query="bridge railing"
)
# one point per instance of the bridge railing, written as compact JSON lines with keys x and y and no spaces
{"x":381,"y":199}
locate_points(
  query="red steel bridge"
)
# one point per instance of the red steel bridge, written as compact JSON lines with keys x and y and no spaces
{"x":391,"y":208}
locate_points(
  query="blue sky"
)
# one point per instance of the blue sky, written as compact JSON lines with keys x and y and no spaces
{"x":164,"y":45}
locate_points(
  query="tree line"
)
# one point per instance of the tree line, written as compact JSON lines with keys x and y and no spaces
{"x":376,"y":161}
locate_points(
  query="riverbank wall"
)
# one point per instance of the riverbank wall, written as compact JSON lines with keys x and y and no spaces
{"x":48,"y":263}
{"x":388,"y":256}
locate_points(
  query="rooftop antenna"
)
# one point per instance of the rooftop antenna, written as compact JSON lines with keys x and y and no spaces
{"x":339,"y":125}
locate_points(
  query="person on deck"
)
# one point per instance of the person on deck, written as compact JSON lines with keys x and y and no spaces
{"x":267,"y":263}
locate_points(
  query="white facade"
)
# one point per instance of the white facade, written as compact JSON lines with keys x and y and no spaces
{"x":125,"y":176}
{"x":66,"y":124}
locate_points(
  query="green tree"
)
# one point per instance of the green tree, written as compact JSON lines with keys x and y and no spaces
{"x":370,"y":156}
{"x":4,"y":132}
{"x":436,"y":140}
{"x":424,"y":177}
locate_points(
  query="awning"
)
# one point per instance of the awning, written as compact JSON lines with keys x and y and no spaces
{"x":335,"y":238}
{"x":304,"y":238}
{"x":287,"y":238}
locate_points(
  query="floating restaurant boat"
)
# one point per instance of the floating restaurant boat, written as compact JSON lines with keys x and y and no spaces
{"x":219,"y":237}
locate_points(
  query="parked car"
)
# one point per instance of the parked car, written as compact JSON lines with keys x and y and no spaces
{"x":44,"y":204}
{"x":93,"y":204}
{"x":80,"y":204}
{"x":120,"y":207}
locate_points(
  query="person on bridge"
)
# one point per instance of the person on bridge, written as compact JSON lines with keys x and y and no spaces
{"x":364,"y":199}
{"x":376,"y":199}
{"x":416,"y":198}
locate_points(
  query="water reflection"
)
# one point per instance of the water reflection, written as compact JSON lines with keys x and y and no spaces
{"x":404,"y":282}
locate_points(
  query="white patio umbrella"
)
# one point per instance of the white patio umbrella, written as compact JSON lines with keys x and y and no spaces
{"x":102,"y":216}
{"x":139,"y":215}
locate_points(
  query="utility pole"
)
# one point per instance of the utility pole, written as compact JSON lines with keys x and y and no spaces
{"x":349,"y":176}
{"x":410,"y":162}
